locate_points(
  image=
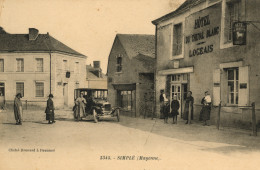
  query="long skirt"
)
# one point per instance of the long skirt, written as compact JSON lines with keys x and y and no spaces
{"x":18,"y":113}
{"x":50,"y":116}
{"x":205,"y":113}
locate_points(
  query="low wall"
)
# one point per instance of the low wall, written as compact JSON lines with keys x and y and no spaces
{"x":231,"y":116}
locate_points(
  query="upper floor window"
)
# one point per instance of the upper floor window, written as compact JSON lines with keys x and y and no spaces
{"x":76,"y":71}
{"x":119,"y":64}
{"x":233,"y":13}
{"x":65,"y":65}
{"x":39,"y":64}
{"x":177,"y":39}
{"x":20,"y":65}
{"x":1,"y":65}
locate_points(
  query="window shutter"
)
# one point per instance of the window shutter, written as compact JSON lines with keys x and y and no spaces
{"x":216,"y":87}
{"x":168,"y":85}
{"x":243,"y":87}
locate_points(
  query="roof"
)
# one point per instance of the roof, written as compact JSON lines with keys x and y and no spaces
{"x":43,"y":43}
{"x":91,"y":73}
{"x":135,"y":44}
{"x":184,"y":7}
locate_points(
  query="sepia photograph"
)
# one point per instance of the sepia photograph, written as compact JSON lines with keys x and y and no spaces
{"x":129,"y":84}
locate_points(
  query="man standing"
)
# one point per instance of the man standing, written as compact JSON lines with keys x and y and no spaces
{"x":50,"y":110}
{"x":188,"y":103}
{"x":18,"y":110}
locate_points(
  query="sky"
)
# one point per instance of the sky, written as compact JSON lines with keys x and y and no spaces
{"x":87,"y":26}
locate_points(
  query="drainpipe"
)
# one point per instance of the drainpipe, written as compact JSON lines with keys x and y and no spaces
{"x":50,"y":71}
{"x":48,"y":37}
{"x":155,"y":71}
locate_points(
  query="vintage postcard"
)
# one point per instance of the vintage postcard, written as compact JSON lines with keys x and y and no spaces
{"x":129,"y":84}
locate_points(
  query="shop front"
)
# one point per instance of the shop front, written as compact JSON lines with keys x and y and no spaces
{"x":177,"y":84}
{"x":125,"y":98}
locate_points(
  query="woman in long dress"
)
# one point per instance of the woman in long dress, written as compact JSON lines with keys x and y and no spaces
{"x":206,"y":108}
{"x":80,"y":103}
{"x":50,"y":110}
{"x":18,"y":110}
{"x":188,"y":100}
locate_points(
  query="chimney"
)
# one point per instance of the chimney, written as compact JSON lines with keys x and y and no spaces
{"x":97,"y":68}
{"x":33,"y":34}
{"x":96,"y":64}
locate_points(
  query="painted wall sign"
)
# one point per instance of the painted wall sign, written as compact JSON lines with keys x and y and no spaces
{"x":201,"y":31}
{"x":239,"y":33}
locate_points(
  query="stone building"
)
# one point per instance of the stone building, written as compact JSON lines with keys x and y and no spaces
{"x":196,"y":52}
{"x":131,"y":74}
{"x":96,"y":79}
{"x":36,"y":65}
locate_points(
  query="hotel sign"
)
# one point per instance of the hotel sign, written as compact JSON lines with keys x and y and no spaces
{"x":201,"y":31}
{"x":239,"y":33}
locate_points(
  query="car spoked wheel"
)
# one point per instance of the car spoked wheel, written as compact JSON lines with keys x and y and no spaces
{"x":95,"y":116}
{"x":118,"y":115}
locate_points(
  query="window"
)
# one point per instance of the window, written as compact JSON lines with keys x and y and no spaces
{"x":232,"y":14}
{"x":20,"y":65}
{"x":39,"y":64}
{"x":20,"y":88}
{"x":1,"y":65}
{"x":179,"y":77}
{"x":177,"y":40}
{"x":232,"y":75}
{"x":126,"y":100}
{"x":65,"y":65}
{"x":76,"y":68}
{"x":39,"y":86}
{"x":176,"y":77}
{"x":119,"y":64}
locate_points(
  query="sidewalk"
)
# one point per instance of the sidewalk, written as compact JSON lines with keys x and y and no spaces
{"x":195,"y":132}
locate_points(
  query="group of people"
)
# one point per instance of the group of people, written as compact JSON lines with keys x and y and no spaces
{"x":82,"y":107}
{"x":79,"y":108}
{"x":172,"y":109}
{"x":18,"y":109}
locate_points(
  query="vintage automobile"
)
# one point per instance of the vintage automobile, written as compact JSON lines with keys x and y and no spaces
{"x":97,"y":105}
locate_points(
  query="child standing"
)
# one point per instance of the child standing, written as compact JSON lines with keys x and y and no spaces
{"x":175,"y":105}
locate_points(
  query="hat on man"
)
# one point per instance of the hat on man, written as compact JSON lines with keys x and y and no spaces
{"x":50,"y":95}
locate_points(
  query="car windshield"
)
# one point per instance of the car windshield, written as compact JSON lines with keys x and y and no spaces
{"x":100,"y":94}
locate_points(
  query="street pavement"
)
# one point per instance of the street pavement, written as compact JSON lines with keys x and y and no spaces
{"x":144,"y":143}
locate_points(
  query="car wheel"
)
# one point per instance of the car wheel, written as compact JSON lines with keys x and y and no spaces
{"x":118,"y":115}
{"x":95,"y":116}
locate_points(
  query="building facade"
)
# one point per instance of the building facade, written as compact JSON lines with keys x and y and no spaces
{"x":195,"y":52}
{"x":131,"y":74}
{"x":36,"y":65}
{"x":95,"y":78}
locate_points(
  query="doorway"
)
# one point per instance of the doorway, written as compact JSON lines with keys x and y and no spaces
{"x":2,"y":95}
{"x":180,"y":90}
{"x":65,"y":93}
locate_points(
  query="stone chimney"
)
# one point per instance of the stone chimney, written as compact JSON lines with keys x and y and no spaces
{"x":98,"y":71}
{"x":96,"y":64}
{"x":33,"y":34}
